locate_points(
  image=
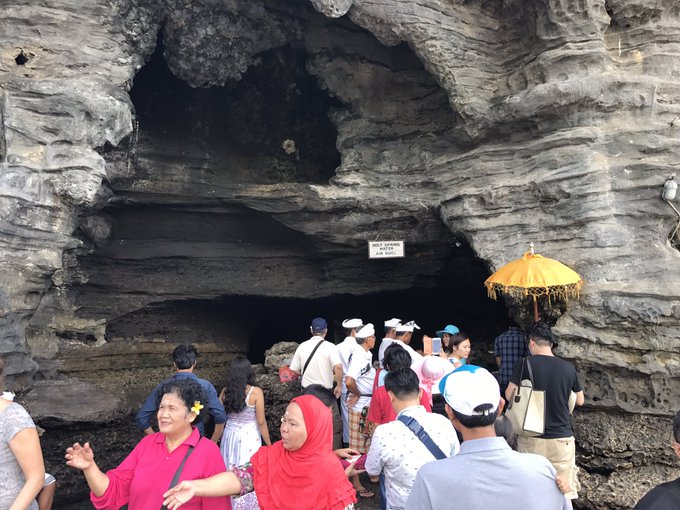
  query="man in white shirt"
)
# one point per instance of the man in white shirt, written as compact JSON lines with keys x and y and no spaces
{"x":318,"y":361}
{"x":359,"y":381}
{"x":395,"y":449}
{"x":388,"y":339}
{"x":404,"y":332}
{"x":345,"y":349}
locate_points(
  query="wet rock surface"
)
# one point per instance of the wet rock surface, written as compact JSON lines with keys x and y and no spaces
{"x":467,"y":129}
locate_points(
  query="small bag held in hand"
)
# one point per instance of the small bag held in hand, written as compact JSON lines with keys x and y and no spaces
{"x":526,"y":409}
{"x":286,"y":374}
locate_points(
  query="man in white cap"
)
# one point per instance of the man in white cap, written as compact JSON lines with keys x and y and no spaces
{"x":388,"y":339}
{"x":359,"y":381}
{"x":404,"y":332}
{"x":527,"y":481}
{"x":345,"y":349}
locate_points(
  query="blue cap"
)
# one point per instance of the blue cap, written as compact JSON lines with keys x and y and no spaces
{"x":319,"y":324}
{"x":450,"y":329}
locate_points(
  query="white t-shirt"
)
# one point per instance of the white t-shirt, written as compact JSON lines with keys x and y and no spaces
{"x":361,"y":370}
{"x":415,"y":357}
{"x":345,"y":350}
{"x":320,"y":368}
{"x":384,"y":344}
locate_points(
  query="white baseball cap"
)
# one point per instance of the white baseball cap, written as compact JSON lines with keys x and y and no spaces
{"x":352,"y":323}
{"x":468,"y":387}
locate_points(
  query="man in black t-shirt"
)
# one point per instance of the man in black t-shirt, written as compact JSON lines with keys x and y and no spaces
{"x":667,"y":495}
{"x":558,"y":379}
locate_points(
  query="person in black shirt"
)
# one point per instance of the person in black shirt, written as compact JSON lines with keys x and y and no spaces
{"x":667,"y":495}
{"x":558,"y":379}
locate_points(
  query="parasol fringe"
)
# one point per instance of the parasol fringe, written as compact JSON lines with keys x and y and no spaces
{"x":564,"y":292}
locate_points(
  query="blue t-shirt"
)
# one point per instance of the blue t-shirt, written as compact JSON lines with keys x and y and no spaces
{"x":212,"y":403}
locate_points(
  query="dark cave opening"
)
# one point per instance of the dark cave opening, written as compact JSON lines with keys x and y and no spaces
{"x":241,"y":279}
{"x":271,"y":126}
{"x":257,"y":322}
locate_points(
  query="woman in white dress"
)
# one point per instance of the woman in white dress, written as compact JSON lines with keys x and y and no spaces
{"x":246,"y":426}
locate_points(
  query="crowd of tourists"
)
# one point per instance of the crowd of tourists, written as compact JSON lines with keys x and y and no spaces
{"x":428,"y":427}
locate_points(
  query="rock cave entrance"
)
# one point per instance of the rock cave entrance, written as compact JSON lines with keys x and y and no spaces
{"x":170,"y":260}
{"x":253,"y":323}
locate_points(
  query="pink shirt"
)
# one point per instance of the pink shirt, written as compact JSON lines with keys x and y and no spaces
{"x":142,"y":478}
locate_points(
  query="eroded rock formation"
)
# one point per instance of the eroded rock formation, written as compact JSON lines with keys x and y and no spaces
{"x":266,"y":141}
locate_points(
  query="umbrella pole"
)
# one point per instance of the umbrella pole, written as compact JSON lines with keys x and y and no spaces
{"x":535,"y":310}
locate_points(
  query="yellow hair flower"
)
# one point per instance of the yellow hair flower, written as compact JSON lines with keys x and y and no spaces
{"x":196,"y":408}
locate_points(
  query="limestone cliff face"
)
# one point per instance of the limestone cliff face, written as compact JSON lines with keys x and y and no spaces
{"x":134,"y":205}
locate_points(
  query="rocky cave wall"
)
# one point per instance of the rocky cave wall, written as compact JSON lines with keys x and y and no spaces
{"x":466,"y":128}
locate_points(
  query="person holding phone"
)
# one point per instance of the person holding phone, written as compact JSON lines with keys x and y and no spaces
{"x":446,"y":334}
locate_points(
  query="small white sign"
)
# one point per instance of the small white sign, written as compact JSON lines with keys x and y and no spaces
{"x":385,"y":249}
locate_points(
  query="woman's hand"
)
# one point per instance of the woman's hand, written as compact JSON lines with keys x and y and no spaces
{"x":350,"y":471}
{"x":346,"y":453}
{"x":179,"y":494}
{"x":80,"y":457}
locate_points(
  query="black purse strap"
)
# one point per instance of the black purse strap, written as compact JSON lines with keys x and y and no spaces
{"x":178,"y":473}
{"x":311,"y":356}
{"x":424,"y":437}
{"x":531,"y":373}
{"x":527,"y":363}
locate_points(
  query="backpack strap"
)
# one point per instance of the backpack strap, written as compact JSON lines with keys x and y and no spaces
{"x":424,"y":437}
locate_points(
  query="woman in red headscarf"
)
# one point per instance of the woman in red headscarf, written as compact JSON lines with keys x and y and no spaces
{"x":300,"y":472}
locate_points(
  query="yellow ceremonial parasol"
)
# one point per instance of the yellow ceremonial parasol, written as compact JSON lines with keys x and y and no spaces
{"x":534,"y":275}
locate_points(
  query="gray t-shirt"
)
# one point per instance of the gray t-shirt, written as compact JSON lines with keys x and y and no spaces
{"x":13,"y":419}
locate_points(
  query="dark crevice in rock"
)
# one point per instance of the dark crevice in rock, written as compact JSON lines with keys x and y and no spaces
{"x":21,"y":58}
{"x":271,"y":126}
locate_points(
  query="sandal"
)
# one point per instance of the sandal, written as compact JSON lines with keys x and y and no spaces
{"x":365,"y":494}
